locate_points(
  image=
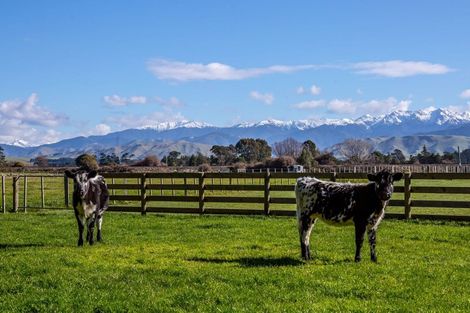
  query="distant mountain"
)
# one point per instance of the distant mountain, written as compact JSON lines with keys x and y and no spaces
{"x":414,"y":144}
{"x":189,"y":136}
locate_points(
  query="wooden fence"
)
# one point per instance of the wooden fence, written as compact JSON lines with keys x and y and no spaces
{"x":233,"y":193}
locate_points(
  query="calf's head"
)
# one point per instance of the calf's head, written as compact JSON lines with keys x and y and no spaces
{"x":384,"y":183}
{"x":81,"y":180}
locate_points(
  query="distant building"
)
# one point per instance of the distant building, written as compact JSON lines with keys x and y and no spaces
{"x":296,"y":168}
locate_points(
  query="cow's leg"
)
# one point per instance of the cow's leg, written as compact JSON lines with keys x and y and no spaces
{"x":372,"y":234}
{"x":81,"y":226}
{"x":360,"y":228}
{"x":91,"y":226}
{"x":306,"y":224}
{"x":99,"y":221}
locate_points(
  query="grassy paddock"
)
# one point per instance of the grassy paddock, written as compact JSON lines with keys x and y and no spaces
{"x":189,"y":263}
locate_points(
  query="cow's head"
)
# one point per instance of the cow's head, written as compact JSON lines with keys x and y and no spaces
{"x":384,"y":183}
{"x":81,"y":179}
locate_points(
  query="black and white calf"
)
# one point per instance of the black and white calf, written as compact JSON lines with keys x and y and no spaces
{"x":340,"y":203}
{"x":90,"y":200}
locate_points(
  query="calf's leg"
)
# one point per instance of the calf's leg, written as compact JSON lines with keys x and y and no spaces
{"x":99,"y":221}
{"x":372,"y":233}
{"x":360,"y":229}
{"x":89,"y":235}
{"x":305,"y":229}
{"x":81,"y":226}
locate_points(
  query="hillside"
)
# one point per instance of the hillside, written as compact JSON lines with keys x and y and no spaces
{"x":440,"y":129}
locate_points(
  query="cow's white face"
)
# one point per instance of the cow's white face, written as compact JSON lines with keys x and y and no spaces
{"x":81,"y":181}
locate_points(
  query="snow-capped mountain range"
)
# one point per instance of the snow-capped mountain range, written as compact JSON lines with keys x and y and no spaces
{"x":197,"y":136}
{"x":425,"y":116}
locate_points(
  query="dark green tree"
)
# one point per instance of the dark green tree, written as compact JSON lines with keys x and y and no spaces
{"x":87,"y":161}
{"x":308,"y":154}
{"x":223,"y":155}
{"x":109,"y":159}
{"x":3,"y":161}
{"x":306,"y":158}
{"x":172,"y":159}
{"x":253,"y":150}
{"x":397,"y":157}
{"x":311,"y":147}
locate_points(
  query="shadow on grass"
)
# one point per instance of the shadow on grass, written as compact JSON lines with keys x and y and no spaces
{"x":328,"y":261}
{"x":253,"y":262}
{"x":4,"y":246}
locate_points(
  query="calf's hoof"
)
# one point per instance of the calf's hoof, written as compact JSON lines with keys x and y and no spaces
{"x":373,"y":259}
{"x":357,"y":259}
{"x":80,"y":243}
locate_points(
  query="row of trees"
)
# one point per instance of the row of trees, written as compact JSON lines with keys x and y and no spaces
{"x":249,"y":151}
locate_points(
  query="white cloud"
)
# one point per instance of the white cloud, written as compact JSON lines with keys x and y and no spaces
{"x":25,"y":120}
{"x":181,"y":71}
{"x":385,"y":105}
{"x":465,"y":94}
{"x":346,"y":106}
{"x":171,"y":102}
{"x":101,"y":129}
{"x":116,"y":100}
{"x":300,"y":90}
{"x":459,"y":108}
{"x":359,"y":92}
{"x":399,"y":68}
{"x":310,"y":104}
{"x":267,"y":98}
{"x":29,"y":112}
{"x":315,"y":90}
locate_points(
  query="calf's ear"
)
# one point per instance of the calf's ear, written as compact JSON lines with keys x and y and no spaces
{"x":371,"y":177}
{"x":397,"y":176}
{"x":69,"y":174}
{"x":92,"y":174}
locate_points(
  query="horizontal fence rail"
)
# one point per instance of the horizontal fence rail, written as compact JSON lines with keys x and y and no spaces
{"x":265,"y":193}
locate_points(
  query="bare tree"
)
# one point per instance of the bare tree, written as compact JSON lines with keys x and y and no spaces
{"x":41,"y":161}
{"x":356,"y":150}
{"x":288,"y":147}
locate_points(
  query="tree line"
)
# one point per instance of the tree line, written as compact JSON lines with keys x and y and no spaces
{"x":257,"y":153}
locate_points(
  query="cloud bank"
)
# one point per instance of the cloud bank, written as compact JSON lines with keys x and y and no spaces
{"x":181,"y":71}
{"x":399,"y":68}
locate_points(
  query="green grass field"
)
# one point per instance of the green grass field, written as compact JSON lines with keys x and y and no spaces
{"x":190,"y":263}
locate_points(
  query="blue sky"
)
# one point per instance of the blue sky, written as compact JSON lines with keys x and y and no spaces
{"x":73,"y":68}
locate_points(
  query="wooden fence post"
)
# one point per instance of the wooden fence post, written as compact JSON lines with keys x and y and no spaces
{"x":407,"y":195}
{"x":202,"y":187}
{"x":42,"y":193}
{"x":25,"y":193}
{"x":3,"y":194}
{"x":267,"y":189}
{"x":113,"y":191}
{"x":66,"y":191}
{"x":185,"y":186}
{"x":143,"y":195}
{"x":15,"y":193}
{"x":333,"y":176}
